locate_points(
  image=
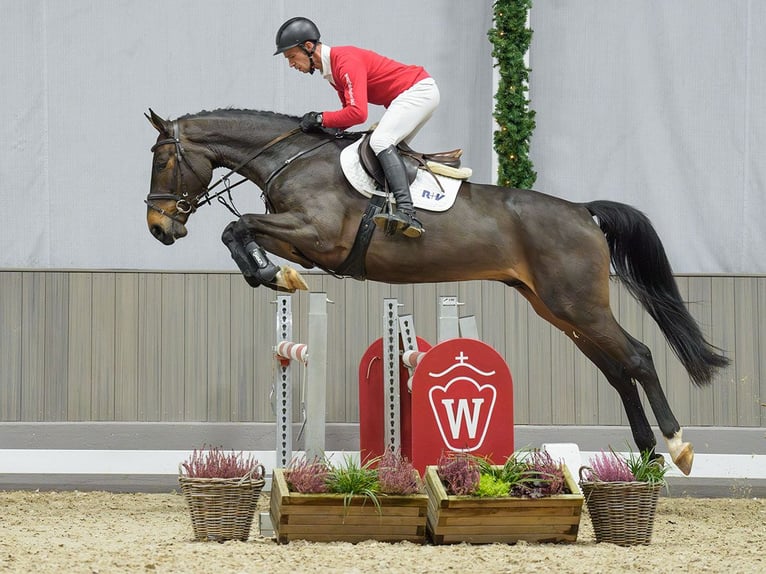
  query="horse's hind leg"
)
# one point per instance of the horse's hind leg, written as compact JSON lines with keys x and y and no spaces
{"x":615,"y":375}
{"x":624,"y":360}
{"x":622,"y":365}
{"x":681,"y":452}
{"x":590,"y":324}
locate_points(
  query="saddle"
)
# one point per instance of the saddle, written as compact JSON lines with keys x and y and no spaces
{"x":446,"y":162}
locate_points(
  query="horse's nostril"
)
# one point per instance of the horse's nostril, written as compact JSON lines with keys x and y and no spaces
{"x":156,"y":231}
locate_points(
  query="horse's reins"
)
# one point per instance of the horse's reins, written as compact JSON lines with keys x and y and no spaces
{"x":185,"y":205}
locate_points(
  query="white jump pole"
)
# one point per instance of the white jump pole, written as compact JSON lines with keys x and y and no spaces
{"x":316,"y":392}
{"x":314,"y":405}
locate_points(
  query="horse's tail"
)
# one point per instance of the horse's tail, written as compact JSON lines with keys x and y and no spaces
{"x":639,"y":260}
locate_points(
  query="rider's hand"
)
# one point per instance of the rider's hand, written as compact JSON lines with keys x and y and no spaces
{"x":311,"y":122}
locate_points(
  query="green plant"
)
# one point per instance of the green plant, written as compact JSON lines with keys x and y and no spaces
{"x":533,"y":474}
{"x":510,"y":38}
{"x":490,"y":486}
{"x":213,"y":462}
{"x":647,"y":468}
{"x":351,"y":479}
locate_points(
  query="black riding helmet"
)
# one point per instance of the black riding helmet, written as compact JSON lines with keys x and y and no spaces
{"x":295,"y":32}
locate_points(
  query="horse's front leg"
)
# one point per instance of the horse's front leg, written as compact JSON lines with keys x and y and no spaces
{"x":254,"y":263}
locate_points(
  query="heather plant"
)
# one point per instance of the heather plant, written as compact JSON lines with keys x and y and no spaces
{"x":608,"y":467}
{"x":396,"y":475}
{"x":214,"y":462}
{"x":308,"y":476}
{"x":639,"y":467}
{"x":459,"y":472}
{"x":546,"y":476}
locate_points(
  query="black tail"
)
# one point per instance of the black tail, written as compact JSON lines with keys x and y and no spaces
{"x":639,"y":260}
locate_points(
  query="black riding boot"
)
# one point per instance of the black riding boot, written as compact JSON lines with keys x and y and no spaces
{"x":403,"y":220}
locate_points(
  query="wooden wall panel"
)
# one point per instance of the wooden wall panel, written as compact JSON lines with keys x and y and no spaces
{"x":242,"y":350}
{"x":172,"y":373}
{"x":149,"y":346}
{"x":722,"y":332}
{"x":103,"y":355}
{"x":746,"y":338}
{"x":79,"y":339}
{"x":218,"y":348}
{"x":701,"y":308}
{"x":195,"y":347}
{"x":11,"y":332}
{"x":33,"y":340}
{"x":139,"y":346}
{"x":126,"y":336}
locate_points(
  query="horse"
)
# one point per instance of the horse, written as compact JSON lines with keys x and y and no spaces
{"x":556,"y":253}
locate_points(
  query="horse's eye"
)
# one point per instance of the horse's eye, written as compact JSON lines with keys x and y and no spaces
{"x":159,"y":166}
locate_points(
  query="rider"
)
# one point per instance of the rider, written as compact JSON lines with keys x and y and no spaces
{"x":361,"y":77}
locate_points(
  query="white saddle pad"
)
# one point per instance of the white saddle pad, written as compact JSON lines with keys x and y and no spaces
{"x":426,"y":193}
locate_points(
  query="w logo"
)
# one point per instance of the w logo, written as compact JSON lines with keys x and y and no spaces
{"x":462,"y":401}
{"x":463,"y":410}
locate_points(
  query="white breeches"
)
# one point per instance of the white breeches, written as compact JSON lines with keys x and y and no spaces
{"x":409,"y":112}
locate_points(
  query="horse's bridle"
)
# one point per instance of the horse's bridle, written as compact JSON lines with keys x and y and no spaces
{"x":186,"y":204}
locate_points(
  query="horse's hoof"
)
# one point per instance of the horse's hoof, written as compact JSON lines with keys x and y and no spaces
{"x":685,"y":458}
{"x":290,"y":280}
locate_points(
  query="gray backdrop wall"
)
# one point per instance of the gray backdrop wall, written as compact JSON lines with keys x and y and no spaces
{"x":658,"y":104}
{"x":653,"y":103}
{"x":78,"y":76}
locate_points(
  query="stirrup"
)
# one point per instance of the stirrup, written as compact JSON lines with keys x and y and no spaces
{"x":399,"y":222}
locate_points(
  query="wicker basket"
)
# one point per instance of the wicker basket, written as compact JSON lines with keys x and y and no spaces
{"x":222,"y":508}
{"x":621,"y":512}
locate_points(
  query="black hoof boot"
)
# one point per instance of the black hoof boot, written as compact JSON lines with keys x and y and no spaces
{"x":251,"y":259}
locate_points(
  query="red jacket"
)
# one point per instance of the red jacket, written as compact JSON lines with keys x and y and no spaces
{"x":364,"y":77}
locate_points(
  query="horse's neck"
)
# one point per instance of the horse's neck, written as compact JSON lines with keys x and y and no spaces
{"x":233,"y":140}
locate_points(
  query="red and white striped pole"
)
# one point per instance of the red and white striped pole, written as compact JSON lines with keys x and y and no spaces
{"x":289,"y":351}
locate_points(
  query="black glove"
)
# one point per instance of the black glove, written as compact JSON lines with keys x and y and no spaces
{"x":311,"y":122}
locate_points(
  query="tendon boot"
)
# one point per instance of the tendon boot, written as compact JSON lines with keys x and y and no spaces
{"x":403,"y":220}
{"x":251,"y":259}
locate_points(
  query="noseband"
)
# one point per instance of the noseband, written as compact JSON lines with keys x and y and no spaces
{"x":185,"y":204}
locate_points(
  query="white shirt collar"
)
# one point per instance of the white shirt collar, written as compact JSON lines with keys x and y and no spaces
{"x":326,"y":66}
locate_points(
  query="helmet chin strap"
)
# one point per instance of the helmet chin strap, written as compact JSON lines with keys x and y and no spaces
{"x":310,"y":54}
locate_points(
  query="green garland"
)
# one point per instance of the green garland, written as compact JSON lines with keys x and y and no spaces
{"x":510,"y":39}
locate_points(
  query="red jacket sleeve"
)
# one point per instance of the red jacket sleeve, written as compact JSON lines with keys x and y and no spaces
{"x":350,"y":76}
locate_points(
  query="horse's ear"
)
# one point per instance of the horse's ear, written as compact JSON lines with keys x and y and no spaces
{"x":159,"y":124}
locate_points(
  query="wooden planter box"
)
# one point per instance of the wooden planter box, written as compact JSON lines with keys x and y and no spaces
{"x":453,"y":519}
{"x":325,"y":518}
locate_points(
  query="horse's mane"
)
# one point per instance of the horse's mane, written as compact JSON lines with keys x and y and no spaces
{"x":236,"y":113}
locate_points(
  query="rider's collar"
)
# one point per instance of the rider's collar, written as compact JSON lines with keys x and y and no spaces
{"x":326,"y":66}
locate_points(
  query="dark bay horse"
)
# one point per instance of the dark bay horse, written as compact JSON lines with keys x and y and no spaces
{"x":557,"y":254}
